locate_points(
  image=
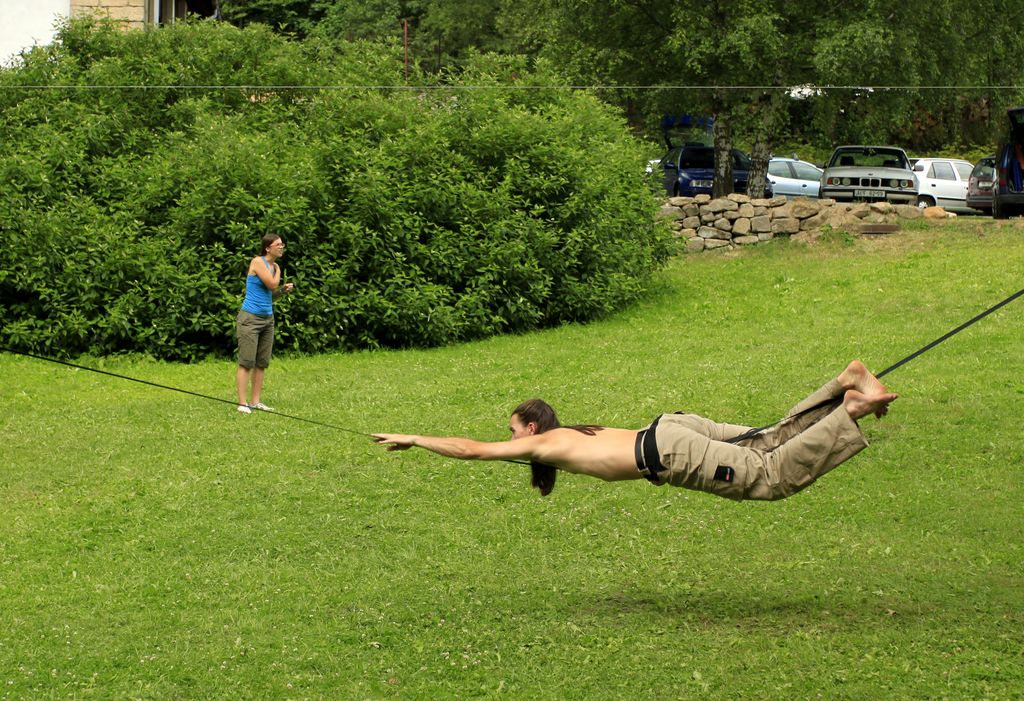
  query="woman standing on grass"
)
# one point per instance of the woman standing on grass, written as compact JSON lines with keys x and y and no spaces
{"x":256,"y":321}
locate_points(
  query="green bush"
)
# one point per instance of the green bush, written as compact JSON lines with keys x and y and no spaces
{"x":139,"y":179}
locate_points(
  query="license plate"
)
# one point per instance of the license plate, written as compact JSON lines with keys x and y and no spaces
{"x":869,"y":193}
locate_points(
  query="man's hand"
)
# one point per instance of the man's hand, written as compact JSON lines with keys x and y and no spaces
{"x":395,"y":441}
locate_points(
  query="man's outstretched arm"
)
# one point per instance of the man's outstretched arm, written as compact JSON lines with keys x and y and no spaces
{"x":463,"y":448}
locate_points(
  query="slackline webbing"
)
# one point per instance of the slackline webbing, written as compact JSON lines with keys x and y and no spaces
{"x":749,"y":434}
{"x":174,"y":389}
{"x":924,"y":349}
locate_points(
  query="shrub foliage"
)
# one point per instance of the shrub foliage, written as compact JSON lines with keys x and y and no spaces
{"x":140,"y":170}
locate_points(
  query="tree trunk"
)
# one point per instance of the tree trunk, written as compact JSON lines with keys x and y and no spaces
{"x":757,"y":176}
{"x":722,"y":135}
{"x":769,"y":120}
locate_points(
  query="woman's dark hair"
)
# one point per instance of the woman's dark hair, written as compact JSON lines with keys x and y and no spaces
{"x":266,"y":242}
{"x":540,"y":413}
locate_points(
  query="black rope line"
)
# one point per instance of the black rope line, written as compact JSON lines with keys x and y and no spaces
{"x":749,"y":434}
{"x":176,"y":389}
{"x":954,"y":332}
{"x":924,"y":349}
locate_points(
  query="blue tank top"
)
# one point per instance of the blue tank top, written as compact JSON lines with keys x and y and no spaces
{"x":258,"y":297}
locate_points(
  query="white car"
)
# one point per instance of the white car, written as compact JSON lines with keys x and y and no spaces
{"x":794,"y":178}
{"x":942,"y":182}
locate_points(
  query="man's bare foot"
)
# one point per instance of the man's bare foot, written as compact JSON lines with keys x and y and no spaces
{"x":857,"y":376}
{"x":859,"y":405}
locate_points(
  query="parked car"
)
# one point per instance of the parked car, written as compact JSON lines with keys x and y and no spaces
{"x":689,"y":170}
{"x":942,"y":182}
{"x":979,"y":184}
{"x":792,"y":177}
{"x":869,"y":174}
{"x":1008,"y":191}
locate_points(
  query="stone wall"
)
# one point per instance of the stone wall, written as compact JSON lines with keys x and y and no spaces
{"x":131,"y":12}
{"x":737,"y":220}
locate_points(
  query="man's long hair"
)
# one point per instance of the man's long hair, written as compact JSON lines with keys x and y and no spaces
{"x":543,"y":416}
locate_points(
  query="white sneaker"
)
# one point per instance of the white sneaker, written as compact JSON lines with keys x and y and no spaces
{"x":243,"y":409}
{"x":261,"y":406}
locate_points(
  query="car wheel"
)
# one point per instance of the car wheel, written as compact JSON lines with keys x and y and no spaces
{"x":923,"y":202}
{"x":998,"y":210}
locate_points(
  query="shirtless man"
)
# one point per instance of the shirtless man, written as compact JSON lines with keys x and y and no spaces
{"x":686,"y":450}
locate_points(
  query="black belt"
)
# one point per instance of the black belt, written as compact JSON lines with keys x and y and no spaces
{"x":648,"y":460}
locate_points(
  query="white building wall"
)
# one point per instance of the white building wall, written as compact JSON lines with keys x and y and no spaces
{"x":27,"y":22}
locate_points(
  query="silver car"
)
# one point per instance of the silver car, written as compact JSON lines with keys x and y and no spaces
{"x":793,"y":178}
{"x":869,"y":174}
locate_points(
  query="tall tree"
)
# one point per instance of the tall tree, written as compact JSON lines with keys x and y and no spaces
{"x":734,"y":59}
{"x":876,"y":71}
{"x":439,"y":32}
{"x":351,"y":20}
{"x":452,"y":27}
{"x":936,"y":68}
{"x":293,"y":17}
{"x":698,"y":58}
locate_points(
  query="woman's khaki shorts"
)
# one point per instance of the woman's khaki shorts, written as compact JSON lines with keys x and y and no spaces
{"x":255,"y":340}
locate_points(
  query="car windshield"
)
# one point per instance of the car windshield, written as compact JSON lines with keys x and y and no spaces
{"x":984,"y":171}
{"x":869,"y":158}
{"x":697,"y":158}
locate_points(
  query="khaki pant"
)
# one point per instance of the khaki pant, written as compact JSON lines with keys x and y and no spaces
{"x":774,"y":464}
{"x":255,"y":340}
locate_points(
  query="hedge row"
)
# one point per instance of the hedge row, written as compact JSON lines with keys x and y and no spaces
{"x":137,"y":185}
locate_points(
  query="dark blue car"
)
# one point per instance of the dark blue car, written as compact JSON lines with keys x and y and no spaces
{"x":689,"y":170}
{"x":1008,"y":190}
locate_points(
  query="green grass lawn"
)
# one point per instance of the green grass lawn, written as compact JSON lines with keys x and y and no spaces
{"x":158,"y":546}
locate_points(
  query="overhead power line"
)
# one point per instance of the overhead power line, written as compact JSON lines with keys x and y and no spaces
{"x":802,"y":89}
